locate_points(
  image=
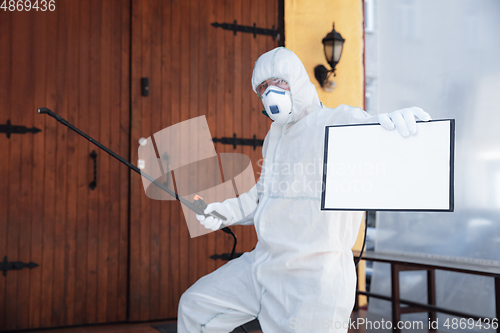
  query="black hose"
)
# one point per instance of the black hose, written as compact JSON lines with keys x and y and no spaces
{"x":229,"y":231}
{"x":187,"y":203}
{"x":364,"y":240}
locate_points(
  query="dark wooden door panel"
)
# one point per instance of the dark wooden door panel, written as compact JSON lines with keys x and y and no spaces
{"x":194,"y":69}
{"x":74,"y":60}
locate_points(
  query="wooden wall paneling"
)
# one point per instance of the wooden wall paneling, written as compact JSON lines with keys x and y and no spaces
{"x":123,"y":78}
{"x":200,"y":107}
{"x":254,"y":110}
{"x":255,"y":107}
{"x":146,"y":129}
{"x":191,"y":94}
{"x":50,"y":132}
{"x":211,"y":98}
{"x":272,"y":21}
{"x":115,"y":77}
{"x":230,"y":87}
{"x":84,"y":176}
{"x":236,"y":108}
{"x":263,"y":45}
{"x":208,"y":83}
{"x":94,"y":129}
{"x":175,"y":224}
{"x":104,"y":162}
{"x":205,"y":63}
{"x":164,"y":242}
{"x":248,"y":113}
{"x":38,"y":29}
{"x":184,"y":80}
{"x":56,"y":62}
{"x":156,"y":125}
{"x":202,"y":25}
{"x":73,"y":168}
{"x":135,"y":182}
{"x":125,"y":173}
{"x":257,"y":120}
{"x":65,"y":61}
{"x":5,"y":104}
{"x":198,"y":70}
{"x":113,"y":179}
{"x":24,"y":202}
{"x":113,"y":82}
{"x":149,"y":28}
{"x":61,"y":186}
{"x":244,"y":102}
{"x":9,"y":291}
{"x":220,"y":64}
{"x":218,"y":91}
{"x":229,"y":90}
{"x":16,"y":285}
{"x":108,"y":219}
{"x":107,"y":204}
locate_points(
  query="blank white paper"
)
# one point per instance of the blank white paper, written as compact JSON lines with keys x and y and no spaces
{"x":370,"y":168}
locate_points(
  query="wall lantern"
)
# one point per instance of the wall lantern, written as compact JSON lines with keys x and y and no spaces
{"x":333,"y":44}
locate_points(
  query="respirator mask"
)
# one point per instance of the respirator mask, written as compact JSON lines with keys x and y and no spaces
{"x":278,"y":104}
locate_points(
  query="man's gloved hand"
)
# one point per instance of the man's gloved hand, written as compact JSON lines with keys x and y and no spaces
{"x":214,"y":223}
{"x":403,"y":120}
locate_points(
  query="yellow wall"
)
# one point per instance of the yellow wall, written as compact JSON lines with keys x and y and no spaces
{"x":306,"y":23}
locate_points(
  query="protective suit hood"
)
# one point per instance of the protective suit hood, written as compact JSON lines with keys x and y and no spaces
{"x":281,"y":63}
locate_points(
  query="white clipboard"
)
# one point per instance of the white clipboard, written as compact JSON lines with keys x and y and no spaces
{"x":367,"y":167}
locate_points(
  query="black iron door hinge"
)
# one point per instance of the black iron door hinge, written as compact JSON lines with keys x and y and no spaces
{"x":248,"y":29}
{"x":235,"y":141}
{"x":16,"y":129}
{"x":5,"y":265}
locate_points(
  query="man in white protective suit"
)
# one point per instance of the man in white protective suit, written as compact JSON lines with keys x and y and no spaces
{"x":301,"y":276}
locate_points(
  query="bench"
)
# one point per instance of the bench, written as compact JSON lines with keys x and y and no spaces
{"x":407,"y":262}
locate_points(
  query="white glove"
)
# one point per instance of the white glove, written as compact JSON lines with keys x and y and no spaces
{"x":214,"y":223}
{"x":403,"y":120}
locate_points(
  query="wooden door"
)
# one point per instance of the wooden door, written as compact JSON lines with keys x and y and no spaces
{"x":193,"y":69}
{"x":75,"y":61}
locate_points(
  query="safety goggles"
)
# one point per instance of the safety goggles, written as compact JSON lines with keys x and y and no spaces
{"x":272,"y":82}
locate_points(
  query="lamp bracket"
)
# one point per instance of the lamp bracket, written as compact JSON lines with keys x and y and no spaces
{"x":322,"y":74}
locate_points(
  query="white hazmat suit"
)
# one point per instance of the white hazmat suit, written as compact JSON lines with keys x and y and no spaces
{"x":301,"y":276}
